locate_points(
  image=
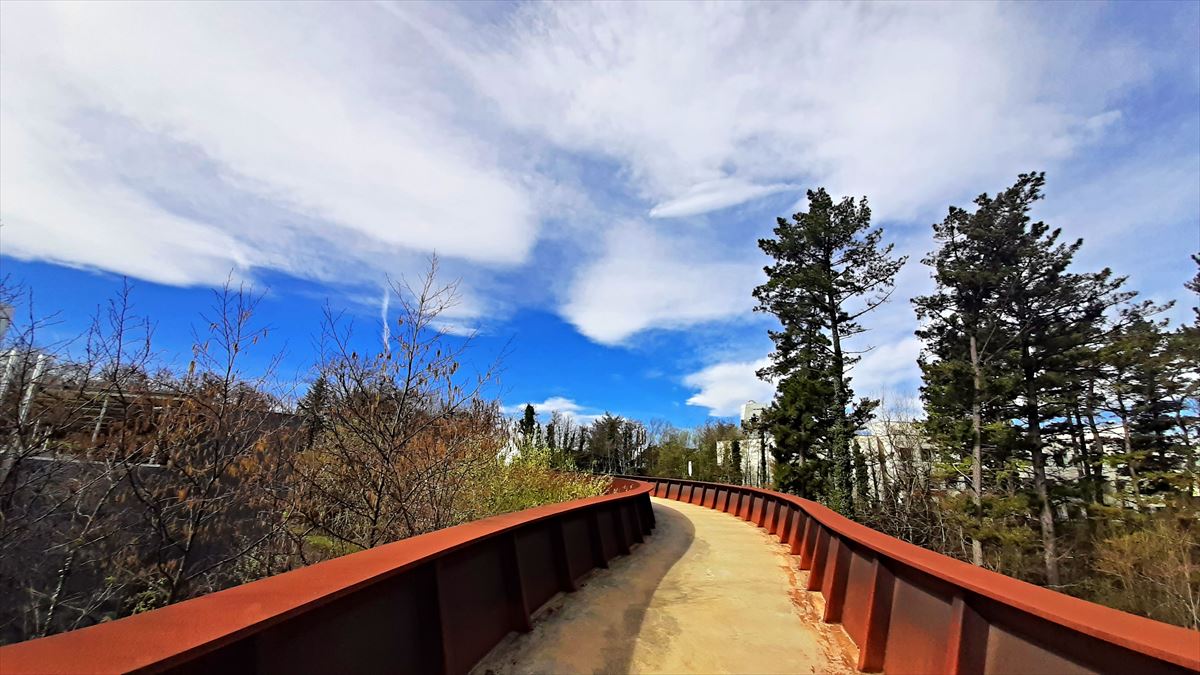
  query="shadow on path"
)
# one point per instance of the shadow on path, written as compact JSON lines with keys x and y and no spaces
{"x":595,"y":628}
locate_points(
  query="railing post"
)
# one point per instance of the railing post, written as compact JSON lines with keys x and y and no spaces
{"x":808,"y":543}
{"x":777,"y":516}
{"x":619,"y":530}
{"x":784,"y":521}
{"x":441,"y":606}
{"x":816,"y":572}
{"x":767,"y":515}
{"x":648,"y":513}
{"x":562,"y":559}
{"x":632,"y":511}
{"x":515,"y":585}
{"x":879,"y":618}
{"x":835,"y":599}
{"x":798,"y":529}
{"x":965,"y":643}
{"x":593,"y":522}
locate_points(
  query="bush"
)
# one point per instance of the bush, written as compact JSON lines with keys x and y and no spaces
{"x":1152,"y":569}
{"x":531,"y":478}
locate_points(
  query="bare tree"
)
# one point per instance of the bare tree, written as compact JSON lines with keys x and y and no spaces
{"x":201,"y":461}
{"x":60,"y":531}
{"x":406,"y":430}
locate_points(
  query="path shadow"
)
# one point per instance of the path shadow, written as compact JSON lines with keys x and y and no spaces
{"x":595,"y":629}
{"x":673,"y":535}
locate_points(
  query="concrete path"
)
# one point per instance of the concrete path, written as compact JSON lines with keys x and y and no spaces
{"x":706,"y":593}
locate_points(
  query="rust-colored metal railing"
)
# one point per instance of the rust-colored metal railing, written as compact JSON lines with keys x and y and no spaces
{"x":911,"y":610}
{"x":435,"y":603}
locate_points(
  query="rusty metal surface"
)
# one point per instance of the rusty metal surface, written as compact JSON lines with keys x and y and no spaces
{"x":911,"y":610}
{"x":435,"y":603}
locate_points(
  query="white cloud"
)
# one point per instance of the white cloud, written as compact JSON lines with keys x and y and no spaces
{"x":555,"y":404}
{"x":177,"y":142}
{"x":702,"y":107}
{"x":888,"y":367}
{"x":875,"y":99}
{"x":135,"y":138}
{"x":713,"y":195}
{"x":724,"y":387}
{"x":54,"y":211}
{"x":644,"y":279}
{"x":1147,"y":198}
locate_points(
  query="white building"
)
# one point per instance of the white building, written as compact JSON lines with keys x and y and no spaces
{"x":758,"y":464}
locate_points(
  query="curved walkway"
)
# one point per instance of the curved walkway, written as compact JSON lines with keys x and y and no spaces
{"x":706,"y":593}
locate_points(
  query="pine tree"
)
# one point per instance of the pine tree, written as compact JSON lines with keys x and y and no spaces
{"x":1056,"y":316}
{"x":829,"y":269}
{"x":964,"y":333}
{"x":1193,"y":285}
{"x":1183,"y":386}
{"x":1009,"y":336}
{"x":528,"y":430}
{"x":313,"y":408}
{"x":800,"y":421}
{"x":1138,"y":380}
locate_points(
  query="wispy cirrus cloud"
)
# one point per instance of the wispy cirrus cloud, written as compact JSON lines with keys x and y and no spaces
{"x":175,"y":142}
{"x":611,"y":162}
{"x":715,"y":195}
{"x":702,"y":110}
{"x":877,"y":99}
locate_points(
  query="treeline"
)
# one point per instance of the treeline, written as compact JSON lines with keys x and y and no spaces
{"x":1061,"y":414}
{"x":126,"y":485}
{"x":612,"y":444}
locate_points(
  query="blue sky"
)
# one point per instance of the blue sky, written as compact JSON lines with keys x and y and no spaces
{"x":596,"y":175}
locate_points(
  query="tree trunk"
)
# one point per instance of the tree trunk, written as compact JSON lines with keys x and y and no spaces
{"x":1189,"y":455}
{"x":1034,"y":436}
{"x":1085,"y":454}
{"x":1130,"y":462}
{"x":841,"y":444}
{"x":762,"y":456}
{"x":1097,"y":446}
{"x":976,"y":450}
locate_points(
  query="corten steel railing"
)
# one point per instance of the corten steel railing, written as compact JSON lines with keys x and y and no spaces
{"x":435,"y":603}
{"x":911,"y":610}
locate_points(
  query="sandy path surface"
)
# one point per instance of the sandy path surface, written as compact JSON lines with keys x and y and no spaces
{"x":706,"y":593}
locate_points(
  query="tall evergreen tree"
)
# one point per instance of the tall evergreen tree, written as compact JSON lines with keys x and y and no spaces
{"x":800,"y":420}
{"x":1056,"y":316}
{"x":830,"y":269}
{"x":314,"y":407}
{"x":1009,"y":335}
{"x":964,"y":333}
{"x":1136,"y":382}
{"x":1183,"y":386}
{"x":528,"y":427}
